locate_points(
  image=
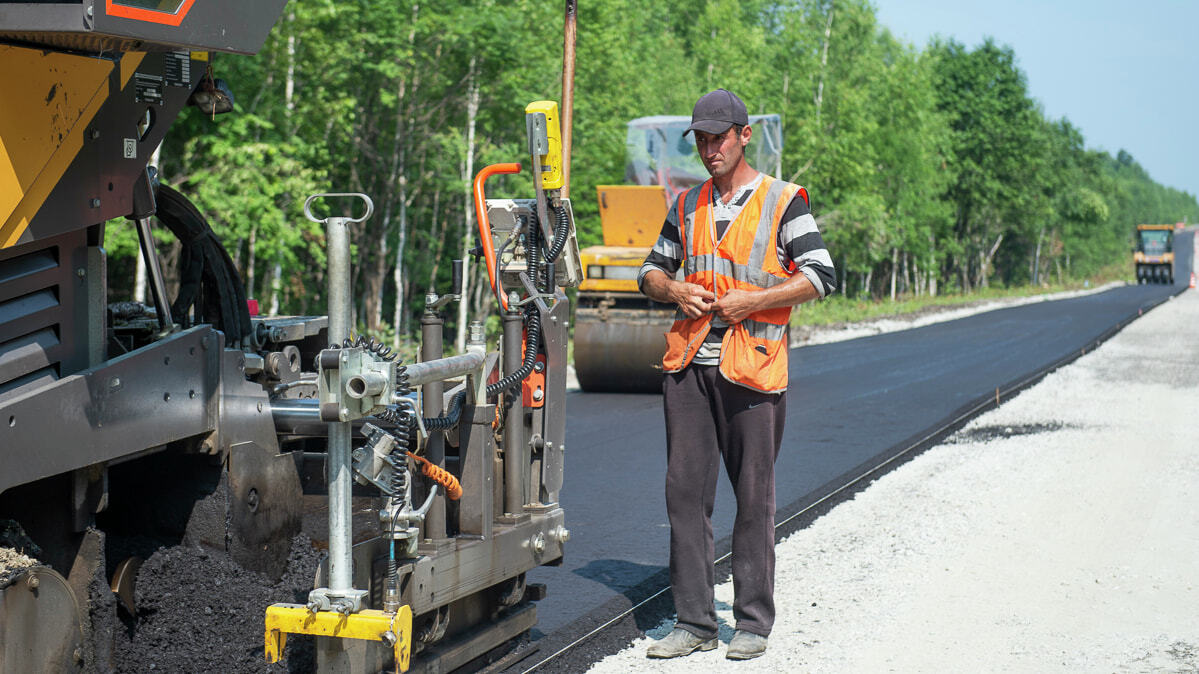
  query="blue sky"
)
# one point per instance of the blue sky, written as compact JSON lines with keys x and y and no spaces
{"x":1126,"y":74}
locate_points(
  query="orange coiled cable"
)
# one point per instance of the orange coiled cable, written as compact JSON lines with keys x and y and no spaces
{"x":441,"y":476}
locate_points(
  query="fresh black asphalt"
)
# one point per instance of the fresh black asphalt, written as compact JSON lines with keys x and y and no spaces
{"x":851,"y":406}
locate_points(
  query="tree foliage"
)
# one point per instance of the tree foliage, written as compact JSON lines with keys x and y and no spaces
{"x":930,"y":169}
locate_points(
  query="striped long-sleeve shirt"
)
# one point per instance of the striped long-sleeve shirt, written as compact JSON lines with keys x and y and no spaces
{"x":800,"y":248}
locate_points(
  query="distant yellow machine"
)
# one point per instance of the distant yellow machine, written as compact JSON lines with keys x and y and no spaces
{"x":618,"y":331}
{"x":1154,"y":254}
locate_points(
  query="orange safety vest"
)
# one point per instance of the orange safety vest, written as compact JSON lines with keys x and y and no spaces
{"x":754,"y":351}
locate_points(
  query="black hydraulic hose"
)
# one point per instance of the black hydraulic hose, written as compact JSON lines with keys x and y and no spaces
{"x":532,"y":318}
{"x":533,"y":250}
{"x":368,"y":344}
{"x":533,"y":342}
{"x":560,"y":228}
{"x":208,"y":279}
{"x":533,"y":324}
{"x":450,"y":419}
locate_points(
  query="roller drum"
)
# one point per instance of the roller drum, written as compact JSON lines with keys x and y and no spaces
{"x":620,"y":350}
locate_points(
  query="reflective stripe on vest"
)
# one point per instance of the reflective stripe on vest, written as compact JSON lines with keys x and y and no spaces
{"x":754,"y":352}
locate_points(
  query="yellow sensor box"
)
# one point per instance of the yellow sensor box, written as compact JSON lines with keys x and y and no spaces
{"x":551,"y":159}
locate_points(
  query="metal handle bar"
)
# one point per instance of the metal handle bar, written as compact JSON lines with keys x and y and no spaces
{"x":485,"y":226}
{"x":442,"y":369}
{"x":370,"y":205}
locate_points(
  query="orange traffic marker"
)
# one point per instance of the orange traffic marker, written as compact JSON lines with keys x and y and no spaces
{"x":1192,"y":280}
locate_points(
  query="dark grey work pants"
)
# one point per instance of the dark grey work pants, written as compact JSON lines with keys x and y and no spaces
{"x":709,"y":418}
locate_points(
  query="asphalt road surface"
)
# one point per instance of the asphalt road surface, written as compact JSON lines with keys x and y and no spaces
{"x":851,"y":406}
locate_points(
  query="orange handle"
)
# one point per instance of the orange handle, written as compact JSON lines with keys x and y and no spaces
{"x":441,"y":476}
{"x":485,"y":226}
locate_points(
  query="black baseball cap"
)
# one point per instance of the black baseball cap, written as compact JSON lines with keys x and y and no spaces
{"x":716,"y":111}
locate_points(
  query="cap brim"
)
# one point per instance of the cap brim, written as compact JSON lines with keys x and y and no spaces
{"x":709,"y":126}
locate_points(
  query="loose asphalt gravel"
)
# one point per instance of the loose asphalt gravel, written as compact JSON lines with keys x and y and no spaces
{"x":198,"y":611}
{"x":1055,"y":533}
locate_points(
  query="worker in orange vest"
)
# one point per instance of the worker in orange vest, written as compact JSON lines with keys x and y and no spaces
{"x":749,"y":250}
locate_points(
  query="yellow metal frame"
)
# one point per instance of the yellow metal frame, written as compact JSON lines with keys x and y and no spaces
{"x":368,"y":624}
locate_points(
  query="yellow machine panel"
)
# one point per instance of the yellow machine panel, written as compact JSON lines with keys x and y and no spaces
{"x":49,"y":99}
{"x":611,"y":268}
{"x":632,"y":215}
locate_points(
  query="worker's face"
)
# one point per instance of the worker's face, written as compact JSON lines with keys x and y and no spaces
{"x":722,"y":152}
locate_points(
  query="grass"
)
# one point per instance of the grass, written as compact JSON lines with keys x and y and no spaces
{"x":840,"y":309}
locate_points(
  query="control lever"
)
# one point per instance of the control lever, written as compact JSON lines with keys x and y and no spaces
{"x":433,"y":302}
{"x":456,"y":278}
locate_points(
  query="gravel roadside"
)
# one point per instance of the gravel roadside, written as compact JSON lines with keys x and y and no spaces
{"x":1056,"y":533}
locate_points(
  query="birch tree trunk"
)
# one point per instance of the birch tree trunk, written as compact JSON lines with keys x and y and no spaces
{"x":397,"y":273}
{"x":250,"y":264}
{"x":139,"y":283}
{"x":985,"y":261}
{"x":894,"y":270}
{"x":289,"y":106}
{"x":1036,"y":260}
{"x":472,"y":114}
{"x":828,"y":32}
{"x":289,"y":87}
{"x":439,"y":227}
{"x":399,"y":165}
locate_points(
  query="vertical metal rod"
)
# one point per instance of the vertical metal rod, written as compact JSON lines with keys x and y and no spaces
{"x":568,"y":90}
{"x":159,"y":286}
{"x":431,"y":332}
{"x":515,"y":466}
{"x":341,"y":575}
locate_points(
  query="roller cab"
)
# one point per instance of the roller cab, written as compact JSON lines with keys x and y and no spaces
{"x":1153,"y":255}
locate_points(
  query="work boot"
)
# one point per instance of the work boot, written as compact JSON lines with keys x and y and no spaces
{"x":745,"y":645}
{"x":678,"y":643}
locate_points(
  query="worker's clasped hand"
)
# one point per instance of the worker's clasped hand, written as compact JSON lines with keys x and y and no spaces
{"x":694,"y":300}
{"x":734,"y":306}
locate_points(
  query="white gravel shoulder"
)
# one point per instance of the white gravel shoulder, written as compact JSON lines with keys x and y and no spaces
{"x":1058,"y":533}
